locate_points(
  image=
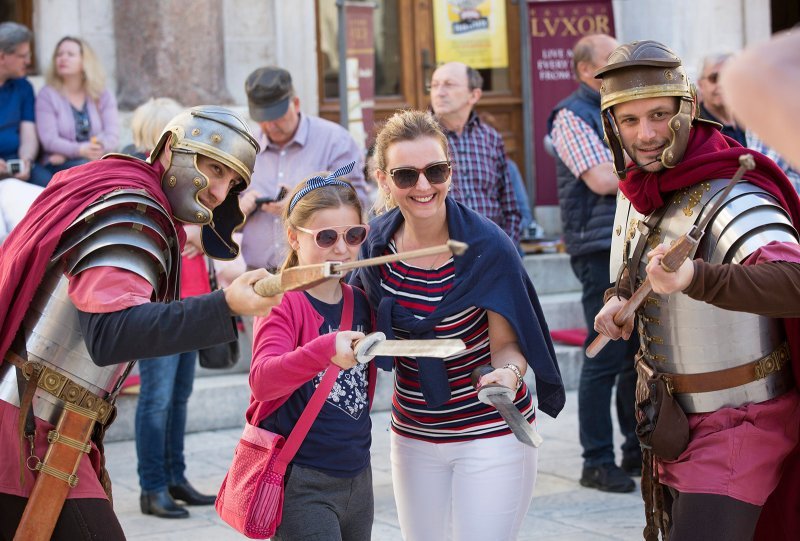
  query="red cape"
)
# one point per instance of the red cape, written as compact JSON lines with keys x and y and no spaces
{"x":27,"y":250}
{"x":780,"y":517}
{"x":711,"y":155}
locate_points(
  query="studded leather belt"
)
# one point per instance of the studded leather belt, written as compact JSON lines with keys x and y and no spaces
{"x":776,"y":362}
{"x":62,"y":387}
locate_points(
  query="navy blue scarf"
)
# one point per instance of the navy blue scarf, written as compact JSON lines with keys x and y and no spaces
{"x":489,"y":275}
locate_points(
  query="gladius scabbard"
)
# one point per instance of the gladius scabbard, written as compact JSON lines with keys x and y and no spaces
{"x":57,"y":473}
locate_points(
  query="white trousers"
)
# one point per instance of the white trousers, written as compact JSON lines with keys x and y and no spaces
{"x":477,"y":490}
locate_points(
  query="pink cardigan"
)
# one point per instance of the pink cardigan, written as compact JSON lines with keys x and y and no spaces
{"x":288,"y":351}
{"x":55,"y":123}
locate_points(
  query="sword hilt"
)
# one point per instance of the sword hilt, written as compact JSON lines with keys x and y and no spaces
{"x":479,"y":372}
{"x":363,"y":345}
{"x":490,"y":389}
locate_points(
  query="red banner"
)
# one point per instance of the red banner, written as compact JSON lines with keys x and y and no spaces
{"x":360,"y":70}
{"x":555,"y":27}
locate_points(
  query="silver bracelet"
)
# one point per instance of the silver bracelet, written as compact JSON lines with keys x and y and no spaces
{"x":517,"y":373}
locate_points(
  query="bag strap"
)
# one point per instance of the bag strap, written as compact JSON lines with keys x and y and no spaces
{"x":314,"y":405}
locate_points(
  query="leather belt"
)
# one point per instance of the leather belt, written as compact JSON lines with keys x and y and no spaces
{"x":777,"y":361}
{"x":62,"y":387}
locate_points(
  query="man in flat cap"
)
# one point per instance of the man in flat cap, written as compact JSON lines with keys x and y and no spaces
{"x":293,"y":146}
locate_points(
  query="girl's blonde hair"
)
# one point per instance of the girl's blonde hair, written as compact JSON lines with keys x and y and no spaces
{"x":94,"y":77}
{"x":150,"y":119}
{"x":406,"y":125}
{"x":328,"y":196}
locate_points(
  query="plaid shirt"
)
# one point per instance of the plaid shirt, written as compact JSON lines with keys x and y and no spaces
{"x":757,"y":144}
{"x":480,"y":175}
{"x":577,"y":144}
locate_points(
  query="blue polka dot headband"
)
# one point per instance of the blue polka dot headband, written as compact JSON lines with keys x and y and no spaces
{"x":319,"y":182}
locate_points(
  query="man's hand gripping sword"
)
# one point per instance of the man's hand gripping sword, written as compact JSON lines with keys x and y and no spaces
{"x":673,"y":259}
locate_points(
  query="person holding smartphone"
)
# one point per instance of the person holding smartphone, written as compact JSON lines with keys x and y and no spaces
{"x":293,"y":146}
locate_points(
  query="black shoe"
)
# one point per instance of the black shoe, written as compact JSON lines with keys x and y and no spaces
{"x":189,"y":494}
{"x":161,"y":505}
{"x":608,"y":478}
{"x":632,"y":464}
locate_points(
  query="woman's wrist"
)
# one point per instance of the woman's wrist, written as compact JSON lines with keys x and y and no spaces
{"x":517,"y":373}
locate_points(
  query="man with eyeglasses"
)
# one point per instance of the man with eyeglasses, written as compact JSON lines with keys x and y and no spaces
{"x":712,"y":104}
{"x":18,"y":142}
{"x":713,"y":107}
{"x":480,"y":175}
{"x":587,"y":195}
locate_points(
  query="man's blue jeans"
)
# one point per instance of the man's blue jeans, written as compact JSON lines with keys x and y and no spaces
{"x":613,"y":364}
{"x":166,"y":384}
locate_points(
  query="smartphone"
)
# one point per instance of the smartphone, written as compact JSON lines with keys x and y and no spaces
{"x":15,"y":166}
{"x":281,"y":195}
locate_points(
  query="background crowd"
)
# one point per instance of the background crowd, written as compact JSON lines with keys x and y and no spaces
{"x":73,"y":120}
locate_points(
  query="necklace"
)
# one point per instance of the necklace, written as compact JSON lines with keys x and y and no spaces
{"x":435,"y":259}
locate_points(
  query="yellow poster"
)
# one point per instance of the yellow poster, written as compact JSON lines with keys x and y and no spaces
{"x":471,"y":31}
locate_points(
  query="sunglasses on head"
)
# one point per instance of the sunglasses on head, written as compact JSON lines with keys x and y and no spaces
{"x":354,"y":235}
{"x":407,"y":177}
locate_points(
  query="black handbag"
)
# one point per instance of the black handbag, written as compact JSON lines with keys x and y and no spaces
{"x":223,"y":355}
{"x":219,"y":356}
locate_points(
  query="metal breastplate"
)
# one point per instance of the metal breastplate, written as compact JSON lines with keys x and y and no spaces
{"x":683,"y":336}
{"x":125,"y":229}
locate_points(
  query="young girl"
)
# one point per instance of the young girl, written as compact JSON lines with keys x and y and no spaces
{"x":328,"y":491}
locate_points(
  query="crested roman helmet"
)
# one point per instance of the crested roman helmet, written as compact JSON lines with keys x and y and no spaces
{"x":219,"y":134}
{"x":646,"y":69}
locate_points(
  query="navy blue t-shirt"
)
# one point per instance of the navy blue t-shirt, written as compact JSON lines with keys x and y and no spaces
{"x":16,"y":105}
{"x":339,"y":440}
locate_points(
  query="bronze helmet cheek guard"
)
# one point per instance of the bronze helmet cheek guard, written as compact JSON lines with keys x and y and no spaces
{"x":219,"y":134}
{"x":183,"y":182}
{"x":679,"y":125}
{"x":614,"y":142}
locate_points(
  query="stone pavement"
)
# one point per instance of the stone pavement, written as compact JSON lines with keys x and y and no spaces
{"x":562,"y":510}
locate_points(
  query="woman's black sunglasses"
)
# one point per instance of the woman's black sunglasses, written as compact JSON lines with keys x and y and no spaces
{"x":407,"y":177}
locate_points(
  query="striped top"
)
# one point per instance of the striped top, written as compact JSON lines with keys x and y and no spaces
{"x":463,"y":417}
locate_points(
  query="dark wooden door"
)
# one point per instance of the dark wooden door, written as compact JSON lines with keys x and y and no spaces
{"x":405,"y":58}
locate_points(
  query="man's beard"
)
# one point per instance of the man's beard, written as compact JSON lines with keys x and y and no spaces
{"x":643,"y":165}
{"x":639,"y":164}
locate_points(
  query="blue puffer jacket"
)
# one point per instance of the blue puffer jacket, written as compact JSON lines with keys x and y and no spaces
{"x":587,"y":218}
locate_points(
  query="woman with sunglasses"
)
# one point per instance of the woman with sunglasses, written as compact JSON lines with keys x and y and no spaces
{"x":328,"y":492}
{"x":76,"y":114}
{"x":458,"y":472}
